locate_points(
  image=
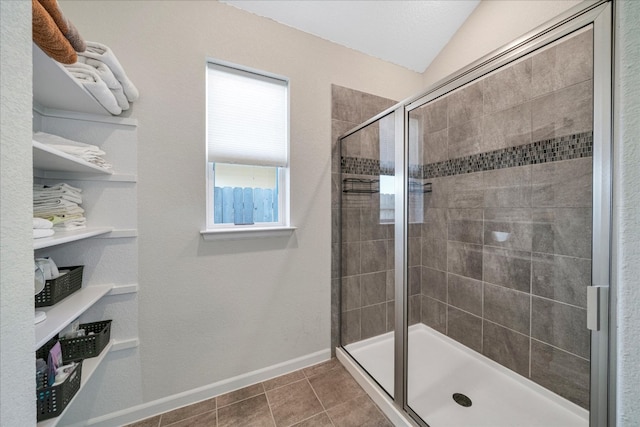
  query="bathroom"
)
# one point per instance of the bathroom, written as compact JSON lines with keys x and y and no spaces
{"x":209,"y":312}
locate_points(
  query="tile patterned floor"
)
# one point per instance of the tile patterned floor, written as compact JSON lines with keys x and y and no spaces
{"x":317,"y":396}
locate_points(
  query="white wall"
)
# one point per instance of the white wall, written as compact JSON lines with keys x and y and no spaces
{"x":491,"y":25}
{"x":213,"y":310}
{"x":627,"y":210}
{"x":17,"y":369}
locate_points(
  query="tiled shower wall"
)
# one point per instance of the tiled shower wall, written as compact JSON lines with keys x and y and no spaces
{"x":506,"y":241}
{"x":500,"y":259}
{"x":367,"y":245}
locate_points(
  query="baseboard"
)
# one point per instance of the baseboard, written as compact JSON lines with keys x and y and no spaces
{"x":169,"y":403}
{"x":380,"y":398}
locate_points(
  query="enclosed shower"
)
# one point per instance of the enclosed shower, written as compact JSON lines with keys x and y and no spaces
{"x":474,"y":245}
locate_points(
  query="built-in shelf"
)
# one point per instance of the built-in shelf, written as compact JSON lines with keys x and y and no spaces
{"x":124,"y":289}
{"x":118,"y":233}
{"x":48,"y":158}
{"x":64,"y":312}
{"x":89,"y":366}
{"x":75,"y":176}
{"x":61,"y":237}
{"x":55,"y":88}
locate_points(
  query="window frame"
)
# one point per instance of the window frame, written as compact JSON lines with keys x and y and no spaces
{"x":283,"y":226}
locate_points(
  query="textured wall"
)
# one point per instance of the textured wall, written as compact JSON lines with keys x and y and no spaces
{"x":16,"y":247}
{"x":626,"y":212}
{"x":226,"y":308}
{"x":491,"y":25}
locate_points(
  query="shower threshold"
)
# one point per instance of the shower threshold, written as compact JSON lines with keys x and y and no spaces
{"x":440,"y":367}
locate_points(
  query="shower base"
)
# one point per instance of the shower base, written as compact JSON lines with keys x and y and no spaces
{"x":439,"y":367}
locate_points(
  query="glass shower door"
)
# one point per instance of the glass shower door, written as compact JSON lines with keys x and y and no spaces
{"x":500,"y":184}
{"x":367,"y":249}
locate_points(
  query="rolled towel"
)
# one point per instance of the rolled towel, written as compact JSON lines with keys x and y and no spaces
{"x":107,"y":76}
{"x":39,"y":233}
{"x":75,"y":38}
{"x":66,"y":26}
{"x":42,"y":223}
{"x":95,"y":85}
{"x":104,"y":54}
{"x":48,"y":36}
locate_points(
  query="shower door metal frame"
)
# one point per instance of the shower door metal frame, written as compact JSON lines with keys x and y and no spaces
{"x":598,"y":14}
{"x":601,"y":315}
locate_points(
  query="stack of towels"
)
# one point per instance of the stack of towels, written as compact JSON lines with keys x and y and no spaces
{"x":101,"y":74}
{"x":94,"y":65}
{"x":42,"y":228}
{"x":87,"y":152}
{"x":59,"y":204}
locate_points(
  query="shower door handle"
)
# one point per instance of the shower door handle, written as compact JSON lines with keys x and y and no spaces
{"x":596,"y":297}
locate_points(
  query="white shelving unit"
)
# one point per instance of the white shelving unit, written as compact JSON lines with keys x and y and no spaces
{"x":89,"y":366}
{"x":61,"y":314}
{"x":108,"y":246}
{"x":50,"y":159}
{"x":61,"y":237}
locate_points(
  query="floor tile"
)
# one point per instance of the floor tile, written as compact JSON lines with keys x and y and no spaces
{"x":321,"y":367}
{"x":149,"y":422}
{"x":252,"y":412}
{"x":283,"y":380}
{"x":293,"y":403}
{"x":240,"y":394}
{"x":358,"y":412}
{"x":335,"y":387}
{"x":320,"y":420}
{"x":188,"y":411}
{"x":208,"y":419}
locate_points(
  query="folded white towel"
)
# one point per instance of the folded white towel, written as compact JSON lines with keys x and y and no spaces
{"x":72,"y":224}
{"x":107,"y":76}
{"x":60,"y":186}
{"x":70,"y":146}
{"x":95,"y":86}
{"x":42,"y":223}
{"x":105,"y":55}
{"x":39,"y":233}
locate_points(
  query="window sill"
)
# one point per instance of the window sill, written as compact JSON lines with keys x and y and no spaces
{"x":247,"y":233}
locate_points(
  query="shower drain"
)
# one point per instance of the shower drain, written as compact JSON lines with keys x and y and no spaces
{"x":462,"y":400}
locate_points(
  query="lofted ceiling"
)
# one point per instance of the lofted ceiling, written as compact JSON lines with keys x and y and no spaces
{"x":409,"y":33}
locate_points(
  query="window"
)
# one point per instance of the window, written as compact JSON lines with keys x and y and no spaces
{"x":247,"y":149}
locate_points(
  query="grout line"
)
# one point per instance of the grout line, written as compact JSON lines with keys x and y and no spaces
{"x":270,"y":410}
{"x":241,"y":400}
{"x":316,"y":395}
{"x":559,"y":302}
{"x":192,"y":416}
{"x":561,"y":349}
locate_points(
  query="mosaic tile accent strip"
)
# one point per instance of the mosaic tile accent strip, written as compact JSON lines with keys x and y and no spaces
{"x":550,"y":150}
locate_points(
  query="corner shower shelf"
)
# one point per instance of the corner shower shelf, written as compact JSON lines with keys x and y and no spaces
{"x":416,"y":187}
{"x":360,"y":186}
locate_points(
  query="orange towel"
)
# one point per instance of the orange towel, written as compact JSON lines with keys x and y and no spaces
{"x":48,"y":36}
{"x":66,"y":26}
{"x":51,"y":6}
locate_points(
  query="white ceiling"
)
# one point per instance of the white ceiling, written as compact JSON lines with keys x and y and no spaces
{"x":409,"y":33}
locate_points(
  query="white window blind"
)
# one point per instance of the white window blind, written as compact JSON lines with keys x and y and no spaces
{"x":247,"y":116}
